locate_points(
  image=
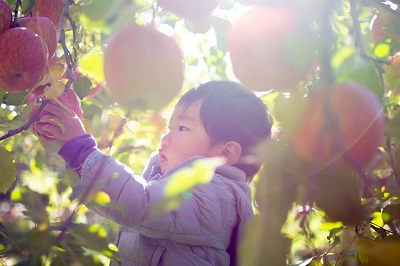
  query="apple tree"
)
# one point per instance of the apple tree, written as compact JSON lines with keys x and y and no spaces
{"x":328,"y":72}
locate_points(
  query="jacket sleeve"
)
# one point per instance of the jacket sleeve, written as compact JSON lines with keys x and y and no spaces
{"x":207,"y":217}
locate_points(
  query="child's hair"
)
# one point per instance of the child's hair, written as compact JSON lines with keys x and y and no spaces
{"x":230,"y":112}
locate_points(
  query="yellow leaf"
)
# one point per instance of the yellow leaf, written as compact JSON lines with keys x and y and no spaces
{"x":186,"y":179}
{"x":55,"y":89}
{"x":382,"y":252}
{"x":92,"y":65}
{"x":55,"y":73}
{"x":102,"y":198}
{"x":182,"y":182}
{"x":7,"y":170}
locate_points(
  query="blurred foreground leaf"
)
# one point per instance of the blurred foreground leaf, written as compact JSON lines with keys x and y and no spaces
{"x":7,"y":170}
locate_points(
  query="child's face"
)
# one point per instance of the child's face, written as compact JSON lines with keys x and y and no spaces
{"x":186,"y":137}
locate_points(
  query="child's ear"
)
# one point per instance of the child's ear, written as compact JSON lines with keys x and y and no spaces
{"x":232,"y":151}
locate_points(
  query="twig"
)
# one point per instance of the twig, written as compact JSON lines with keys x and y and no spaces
{"x":67,"y":223}
{"x":358,"y":37}
{"x":71,"y":65}
{"x":26,"y":126}
{"x":68,"y":56}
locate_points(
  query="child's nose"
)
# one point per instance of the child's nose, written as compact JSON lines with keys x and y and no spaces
{"x":165,"y":140}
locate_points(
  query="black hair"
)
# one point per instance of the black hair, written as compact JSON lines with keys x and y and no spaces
{"x":230,"y":112}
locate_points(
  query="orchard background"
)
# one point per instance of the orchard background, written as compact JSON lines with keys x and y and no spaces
{"x":329,"y":72}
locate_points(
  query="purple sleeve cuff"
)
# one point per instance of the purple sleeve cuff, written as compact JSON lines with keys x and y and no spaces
{"x":75,"y":151}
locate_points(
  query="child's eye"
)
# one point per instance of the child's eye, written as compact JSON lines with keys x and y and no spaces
{"x":182,"y":128}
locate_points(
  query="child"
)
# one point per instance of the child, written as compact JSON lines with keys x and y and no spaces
{"x":219,"y":118}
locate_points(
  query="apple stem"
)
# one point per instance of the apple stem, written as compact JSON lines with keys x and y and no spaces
{"x":27,"y":125}
{"x":17,"y":6}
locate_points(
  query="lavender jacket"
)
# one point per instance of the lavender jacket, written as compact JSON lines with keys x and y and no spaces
{"x":199,"y":232}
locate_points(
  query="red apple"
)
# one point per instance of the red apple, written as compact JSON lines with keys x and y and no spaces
{"x":68,"y":98}
{"x":378,"y":27}
{"x":95,"y":90}
{"x":49,"y":8}
{"x":264,"y":47}
{"x":23,"y":59}
{"x":5,"y":16}
{"x":43,"y":27}
{"x":143,"y":67}
{"x":346,"y":124}
{"x":189,"y":9}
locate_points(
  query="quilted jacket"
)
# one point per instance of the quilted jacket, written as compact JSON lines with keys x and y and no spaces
{"x":199,"y":232}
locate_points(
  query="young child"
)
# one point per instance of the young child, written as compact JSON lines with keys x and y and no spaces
{"x":219,"y":118}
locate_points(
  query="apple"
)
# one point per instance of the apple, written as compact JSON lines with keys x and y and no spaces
{"x":143,"y":67}
{"x":69,"y":98}
{"x":378,"y":25}
{"x":189,"y":9}
{"x":5,"y":16}
{"x":95,"y":90}
{"x":264,"y":47}
{"x":51,"y":9}
{"x":43,"y":27}
{"x":23,"y":59}
{"x":346,"y":124}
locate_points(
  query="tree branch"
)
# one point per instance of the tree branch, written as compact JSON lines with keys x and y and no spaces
{"x":28,"y":124}
{"x":61,"y":40}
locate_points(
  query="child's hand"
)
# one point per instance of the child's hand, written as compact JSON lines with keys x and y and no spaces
{"x":59,"y":124}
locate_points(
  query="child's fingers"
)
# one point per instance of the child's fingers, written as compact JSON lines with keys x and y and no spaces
{"x":42,"y":132}
{"x":51,"y":130}
{"x":57,"y":111}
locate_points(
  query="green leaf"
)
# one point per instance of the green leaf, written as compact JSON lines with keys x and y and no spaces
{"x":350,"y":67}
{"x":82,"y":86}
{"x":333,"y":232}
{"x":188,"y":178}
{"x":7,"y":170}
{"x":16,"y":99}
{"x":27,"y":6}
{"x":393,"y":125}
{"x":92,"y":65}
{"x":2,"y":93}
{"x":384,"y":48}
{"x":182,"y":182}
{"x":391,"y":213}
{"x":93,"y":237}
{"x":11,"y":2}
{"x":34,"y":202}
{"x":101,"y":10}
{"x":40,"y":242}
{"x":288,"y":110}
